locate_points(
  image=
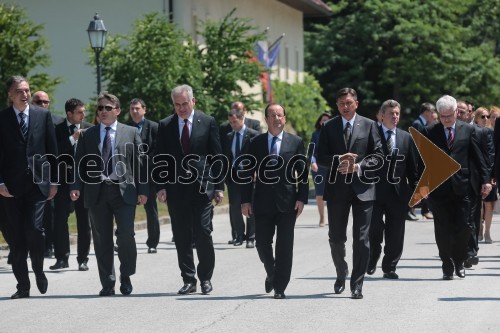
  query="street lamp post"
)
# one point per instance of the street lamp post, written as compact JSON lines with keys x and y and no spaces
{"x":97,"y":36}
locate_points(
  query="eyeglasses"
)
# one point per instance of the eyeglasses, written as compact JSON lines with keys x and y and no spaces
{"x":42,"y":102}
{"x":346,"y":104}
{"x":485,"y":116}
{"x":105,"y":107}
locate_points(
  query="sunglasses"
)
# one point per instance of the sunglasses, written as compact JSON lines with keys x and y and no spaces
{"x":105,"y":107}
{"x":42,"y":102}
{"x":485,"y":116}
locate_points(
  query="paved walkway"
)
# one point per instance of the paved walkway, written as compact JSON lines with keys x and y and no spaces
{"x":419,"y":301}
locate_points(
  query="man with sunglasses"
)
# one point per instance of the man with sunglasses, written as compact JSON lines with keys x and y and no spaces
{"x":41,"y":99}
{"x":111,"y":173}
{"x":485,"y":138}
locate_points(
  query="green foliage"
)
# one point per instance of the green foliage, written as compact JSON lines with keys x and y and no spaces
{"x":303,"y":103}
{"x":22,"y":50}
{"x":156,"y":56}
{"x":148,"y":63}
{"x":408,"y":50}
{"x":227,"y":61}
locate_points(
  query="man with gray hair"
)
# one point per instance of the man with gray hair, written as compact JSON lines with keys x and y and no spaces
{"x":186,"y":142}
{"x":451,"y":201}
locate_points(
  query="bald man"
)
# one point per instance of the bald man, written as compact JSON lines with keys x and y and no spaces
{"x":41,"y":99}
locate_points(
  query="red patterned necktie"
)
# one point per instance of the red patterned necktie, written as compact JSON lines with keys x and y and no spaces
{"x":185,"y":138}
{"x":450,"y":137}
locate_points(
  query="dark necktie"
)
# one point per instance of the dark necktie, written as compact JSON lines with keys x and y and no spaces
{"x":237,"y":149}
{"x":23,"y":126}
{"x":185,"y":138}
{"x":274,"y":148}
{"x":390,"y":141}
{"x":347,"y":134}
{"x":451,"y":138}
{"x":106,"y":153}
{"x":72,"y":129}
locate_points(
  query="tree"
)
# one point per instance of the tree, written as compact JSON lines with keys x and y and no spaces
{"x":22,"y":50}
{"x":148,"y":63}
{"x":227,"y":60}
{"x":303,"y":103}
{"x":411,"y":51}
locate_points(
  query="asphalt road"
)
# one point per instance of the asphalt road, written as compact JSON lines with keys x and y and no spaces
{"x":418,"y":301}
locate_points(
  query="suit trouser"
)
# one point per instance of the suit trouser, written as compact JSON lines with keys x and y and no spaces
{"x":393,"y":228}
{"x":48,"y":224}
{"x":278,"y":268}
{"x":110,"y":204}
{"x":62,"y":210}
{"x":25,"y":225}
{"x":153,"y":223}
{"x":474,"y":225}
{"x":235,"y":216}
{"x":338,"y":218}
{"x":451,"y":229}
{"x":193,"y":217}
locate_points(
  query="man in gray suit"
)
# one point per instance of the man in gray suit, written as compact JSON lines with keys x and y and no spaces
{"x":111,"y":173}
{"x":348,"y":146}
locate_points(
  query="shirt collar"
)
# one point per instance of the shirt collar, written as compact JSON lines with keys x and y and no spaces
{"x":242,"y":130}
{"x":141,"y":122}
{"x":345,"y":121}
{"x":270,"y":136}
{"x":113,"y":126}
{"x":423,"y":120}
{"x":69,"y":124}
{"x":190,"y":118}
{"x":385,"y":129}
{"x":26,"y":111}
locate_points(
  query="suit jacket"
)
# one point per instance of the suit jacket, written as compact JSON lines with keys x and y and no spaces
{"x":418,"y":124}
{"x":225,"y":128}
{"x":485,"y":138}
{"x":204,"y":144}
{"x":66,"y":151}
{"x":365,"y":142}
{"x":466,"y":152}
{"x":281,"y":196}
{"x":148,"y":137}
{"x":245,"y":145}
{"x":496,"y":142}
{"x":19,"y":156}
{"x":400,"y":178}
{"x":126,"y":160}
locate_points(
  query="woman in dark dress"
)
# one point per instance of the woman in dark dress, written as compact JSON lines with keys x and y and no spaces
{"x":318,"y":173}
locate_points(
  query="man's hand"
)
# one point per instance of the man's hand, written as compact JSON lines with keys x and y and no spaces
{"x":76,"y":135}
{"x":52,"y":192}
{"x":348,"y":163}
{"x":219,"y":196}
{"x":74,"y":195}
{"x":314,"y":167}
{"x":5,"y":192}
{"x":142,"y":199}
{"x":299,"y":206}
{"x":162,"y":195}
{"x":485,"y":190}
{"x":246,"y":209}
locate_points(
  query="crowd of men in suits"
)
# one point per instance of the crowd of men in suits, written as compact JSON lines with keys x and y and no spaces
{"x":103,"y":172}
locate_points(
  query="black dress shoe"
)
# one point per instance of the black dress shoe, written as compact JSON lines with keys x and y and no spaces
{"x":339,"y":286}
{"x":152,"y":250}
{"x":126,"y":285}
{"x":391,"y":275}
{"x":20,"y":294}
{"x":206,"y":287}
{"x":187,"y":288}
{"x":411,"y":217}
{"x":59,"y":264}
{"x":83,"y":266}
{"x":357,"y":294}
{"x":42,"y":283}
{"x":472,"y":260}
{"x":250,"y":244}
{"x":238,"y":242}
{"x":107,"y":291}
{"x":460,"y":270}
{"x":279,"y":296}
{"x":268,"y":285}
{"x":232,"y":241}
{"x":447,"y":277}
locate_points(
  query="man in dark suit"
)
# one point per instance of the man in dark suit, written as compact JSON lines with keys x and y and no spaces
{"x":236,"y":144}
{"x":67,"y":135}
{"x":41,"y":98}
{"x":281,"y":190}
{"x":148,"y":131}
{"x":187,"y":141}
{"x":28,"y":173}
{"x":425,"y":119}
{"x":348,"y":146}
{"x":398,"y":180}
{"x":451,"y":201}
{"x":111,"y":174}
